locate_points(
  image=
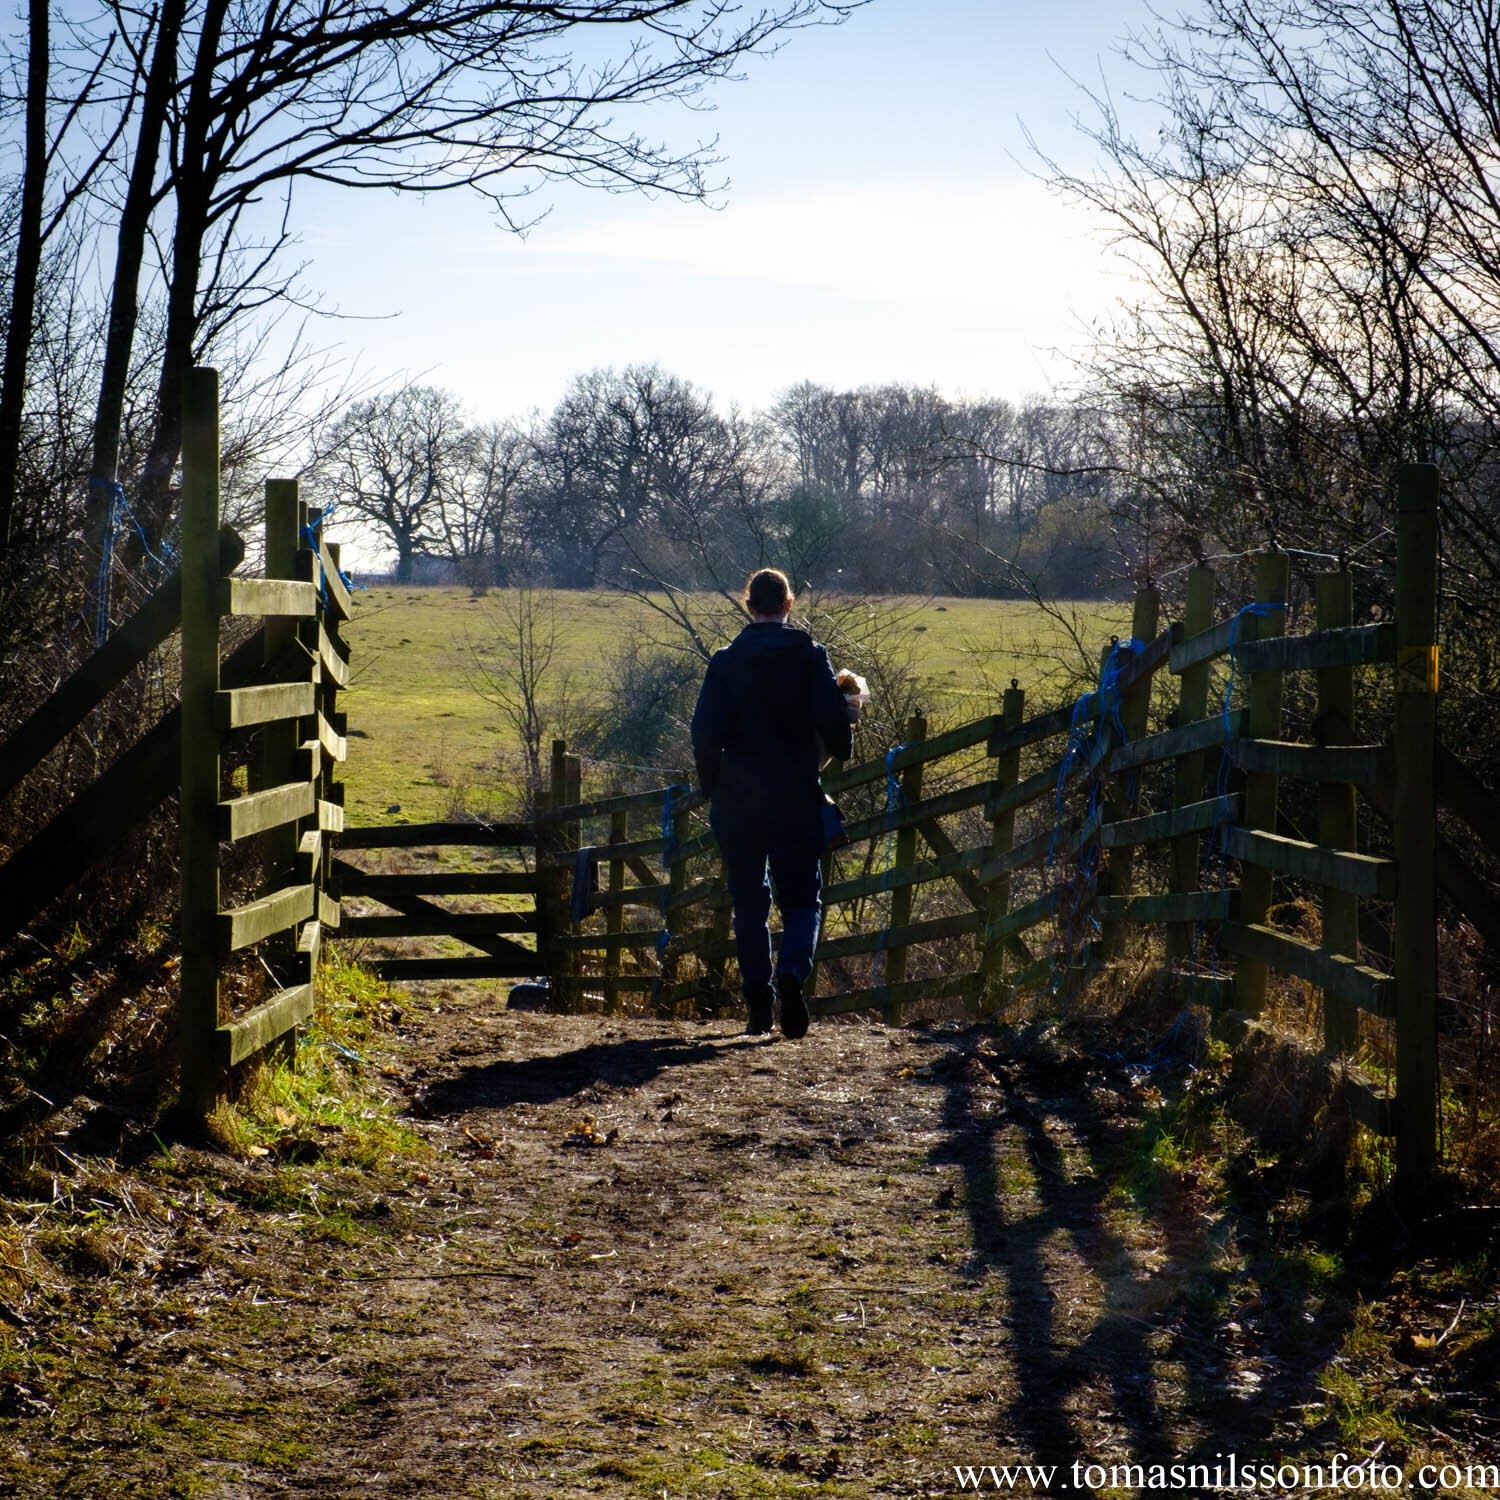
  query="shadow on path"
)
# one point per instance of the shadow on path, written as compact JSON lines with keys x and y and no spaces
{"x":627,"y":1063}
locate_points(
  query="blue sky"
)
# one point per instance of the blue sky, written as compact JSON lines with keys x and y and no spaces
{"x":881,"y":223}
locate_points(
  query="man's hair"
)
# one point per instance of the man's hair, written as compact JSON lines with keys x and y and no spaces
{"x":768,"y":592}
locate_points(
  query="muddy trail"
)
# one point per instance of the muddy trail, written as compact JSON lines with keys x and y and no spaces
{"x":650,"y":1258}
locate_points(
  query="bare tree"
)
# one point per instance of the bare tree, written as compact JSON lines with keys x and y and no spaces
{"x":391,"y":460}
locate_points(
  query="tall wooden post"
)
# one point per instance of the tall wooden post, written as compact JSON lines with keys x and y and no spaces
{"x":572,"y":836}
{"x":1192,"y":705}
{"x":614,"y":916}
{"x":906,"y":854}
{"x":1416,"y":912}
{"x":1337,"y":821}
{"x":1272,"y":575}
{"x":550,"y":917}
{"x":1118,"y":875}
{"x":1002,"y":839}
{"x":198,"y":975}
{"x":278,"y":761}
{"x":677,"y":874}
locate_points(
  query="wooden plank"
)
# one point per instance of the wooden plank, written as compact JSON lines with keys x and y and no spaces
{"x":1338,"y":822}
{"x":1264,"y":691}
{"x":880,"y":824}
{"x":1341,"y":646}
{"x":240,"y":817}
{"x":1117,"y":860}
{"x":1363,"y":765}
{"x":1011,"y":799}
{"x":909,"y":992}
{"x":1365,"y":987}
{"x":310,"y":847}
{"x":99,"y":818}
{"x":1202,"y":734}
{"x":257,"y":1029}
{"x":310,"y":939}
{"x":129,"y":645}
{"x":239,"y":708}
{"x":1043,"y":727}
{"x":333,"y":657}
{"x":906,"y":854}
{"x":1152,"y":657}
{"x":438,"y":883}
{"x":412,"y":970}
{"x":975,"y":733}
{"x":608,"y":942}
{"x":631,"y":895}
{"x":1358,"y":874}
{"x":330,"y":817}
{"x":1022,"y":919}
{"x":1212,"y":812}
{"x":1176,"y":906}
{"x":929,"y":931}
{"x":91,"y":826}
{"x":685,"y":849}
{"x":1207,"y":645}
{"x":282,"y":597}
{"x":1188,"y":774}
{"x":1034,"y":850}
{"x":434,"y":922}
{"x":336,"y":594}
{"x":1462,"y":792}
{"x":691,"y":895}
{"x":258,"y":919}
{"x":945,"y":848}
{"x":411,"y":835}
{"x":614,"y":917}
{"x":626,"y":802}
{"x":332,"y":743}
{"x":1003,"y":789}
{"x":917,"y":873}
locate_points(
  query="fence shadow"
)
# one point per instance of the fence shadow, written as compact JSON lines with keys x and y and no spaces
{"x":1188,"y":1358}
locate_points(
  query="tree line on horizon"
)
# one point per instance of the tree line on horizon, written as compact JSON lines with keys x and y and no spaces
{"x":636,"y":479}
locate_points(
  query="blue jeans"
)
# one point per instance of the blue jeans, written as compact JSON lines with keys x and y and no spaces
{"x":796,"y":876}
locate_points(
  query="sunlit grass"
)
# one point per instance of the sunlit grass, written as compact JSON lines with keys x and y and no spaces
{"x":423,"y":737}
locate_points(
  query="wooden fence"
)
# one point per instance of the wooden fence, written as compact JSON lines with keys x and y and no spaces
{"x":281,"y":685}
{"x":1173,"y":797}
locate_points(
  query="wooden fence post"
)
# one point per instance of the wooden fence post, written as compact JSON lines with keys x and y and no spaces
{"x":906,"y":854}
{"x":1002,"y":839}
{"x":1192,"y":706}
{"x":1272,"y":574}
{"x":278,"y":763}
{"x":198,"y":974}
{"x":1415,"y":824}
{"x":572,"y":838}
{"x":1337,"y":821}
{"x":1118,"y":875}
{"x":614,"y":916}
{"x":677,"y":873}
{"x":549,"y":918}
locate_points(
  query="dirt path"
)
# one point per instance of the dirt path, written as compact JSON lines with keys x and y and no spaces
{"x":648,"y":1258}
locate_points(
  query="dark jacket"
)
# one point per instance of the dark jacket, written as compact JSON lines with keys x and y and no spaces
{"x":765,"y":700}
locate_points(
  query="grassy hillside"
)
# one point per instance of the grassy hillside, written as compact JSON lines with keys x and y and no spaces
{"x":422,"y":735}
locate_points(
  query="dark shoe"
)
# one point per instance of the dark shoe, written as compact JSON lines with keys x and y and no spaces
{"x":761,"y":1004}
{"x":794,"y":1015}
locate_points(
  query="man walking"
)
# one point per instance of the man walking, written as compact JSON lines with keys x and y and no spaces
{"x":766,"y":700}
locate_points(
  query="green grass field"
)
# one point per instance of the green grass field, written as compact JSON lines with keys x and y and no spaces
{"x":423,"y":737}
